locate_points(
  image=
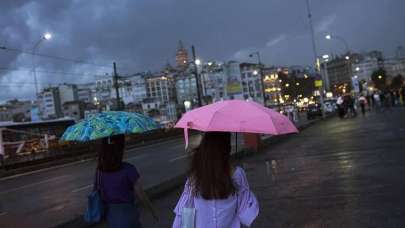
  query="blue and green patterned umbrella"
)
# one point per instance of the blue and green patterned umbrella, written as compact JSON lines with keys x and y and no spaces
{"x":107,"y":124}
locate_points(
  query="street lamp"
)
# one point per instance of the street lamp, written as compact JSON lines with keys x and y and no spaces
{"x":45,"y":36}
{"x":198,"y":62}
{"x":341,"y":39}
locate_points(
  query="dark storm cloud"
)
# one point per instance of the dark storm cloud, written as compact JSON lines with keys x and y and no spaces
{"x":142,"y":34}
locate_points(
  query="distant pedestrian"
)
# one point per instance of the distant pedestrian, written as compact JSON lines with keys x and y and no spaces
{"x":340,"y":107}
{"x":218,"y":192}
{"x":377,"y":101}
{"x":363,"y":103}
{"x":350,"y":106}
{"x":119,"y":184}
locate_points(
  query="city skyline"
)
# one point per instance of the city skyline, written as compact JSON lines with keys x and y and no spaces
{"x":218,"y":34}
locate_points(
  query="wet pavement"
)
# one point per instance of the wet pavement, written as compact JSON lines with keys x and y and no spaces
{"x":337,"y":173}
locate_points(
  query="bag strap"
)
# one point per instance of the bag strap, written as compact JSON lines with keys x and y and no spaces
{"x":97,"y":185}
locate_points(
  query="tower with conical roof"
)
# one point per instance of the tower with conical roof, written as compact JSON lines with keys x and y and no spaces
{"x":181,"y":56}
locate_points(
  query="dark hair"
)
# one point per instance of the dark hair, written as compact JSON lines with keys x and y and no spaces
{"x":111,"y":153}
{"x":210,"y":172}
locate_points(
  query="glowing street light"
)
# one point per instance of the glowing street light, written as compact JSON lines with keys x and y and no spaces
{"x":357,"y":68}
{"x":325,"y":56}
{"x":197,"y":61}
{"x":255,"y":72}
{"x":347,"y":57}
{"x":47,"y":36}
{"x":328,"y":37}
{"x":379,"y":77}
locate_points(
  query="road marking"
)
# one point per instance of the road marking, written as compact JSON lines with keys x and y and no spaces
{"x":82,"y":188}
{"x":136,"y":157}
{"x":179,"y":157}
{"x":46,"y":169}
{"x":34,"y":184}
{"x":3,"y":213}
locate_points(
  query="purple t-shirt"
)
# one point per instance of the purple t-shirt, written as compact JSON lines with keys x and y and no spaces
{"x":118,"y":187}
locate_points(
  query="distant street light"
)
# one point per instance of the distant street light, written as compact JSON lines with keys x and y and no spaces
{"x":47,"y":36}
{"x":379,"y":77}
{"x":357,"y":68}
{"x":255,"y":72}
{"x":328,"y":37}
{"x":198,"y":62}
{"x":347,"y":57}
{"x":325,"y":56}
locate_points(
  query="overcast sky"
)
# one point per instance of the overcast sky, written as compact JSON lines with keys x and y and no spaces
{"x":142,"y":35}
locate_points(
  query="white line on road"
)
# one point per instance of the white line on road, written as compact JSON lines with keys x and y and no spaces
{"x":33,"y":184}
{"x":136,"y":157}
{"x":82,"y":188}
{"x":46,"y":169}
{"x":179,"y":157}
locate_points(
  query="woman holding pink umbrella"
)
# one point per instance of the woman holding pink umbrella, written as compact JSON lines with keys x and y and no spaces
{"x":218,"y":192}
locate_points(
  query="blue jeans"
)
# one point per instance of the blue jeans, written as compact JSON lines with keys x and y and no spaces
{"x":123,"y":215}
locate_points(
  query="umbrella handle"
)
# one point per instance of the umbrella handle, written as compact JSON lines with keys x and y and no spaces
{"x":186,"y":136}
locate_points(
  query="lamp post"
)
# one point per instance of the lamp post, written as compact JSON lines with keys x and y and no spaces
{"x":196,"y":63}
{"x":261,"y":75}
{"x":45,"y":36}
{"x":315,"y":55}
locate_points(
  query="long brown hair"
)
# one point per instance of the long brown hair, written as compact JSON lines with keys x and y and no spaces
{"x":111,"y":153}
{"x":210,"y":171}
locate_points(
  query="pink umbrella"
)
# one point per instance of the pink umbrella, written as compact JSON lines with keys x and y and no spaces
{"x":236,"y":116}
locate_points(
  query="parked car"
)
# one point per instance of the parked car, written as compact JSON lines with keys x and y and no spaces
{"x":313,"y":111}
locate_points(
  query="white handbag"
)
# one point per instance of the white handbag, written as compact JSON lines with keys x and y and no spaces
{"x":188,"y":214}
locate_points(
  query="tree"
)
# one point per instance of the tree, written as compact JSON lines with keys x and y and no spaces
{"x":397,"y":82}
{"x":379,"y":77}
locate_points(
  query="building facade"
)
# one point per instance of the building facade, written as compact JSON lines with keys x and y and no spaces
{"x":161,"y":87}
{"x":186,"y":87}
{"x":49,"y":103}
{"x":251,"y":82}
{"x":213,"y":80}
{"x":74,"y":110}
{"x":86,"y":92}
{"x":67,"y":93}
{"x":15,"y":110}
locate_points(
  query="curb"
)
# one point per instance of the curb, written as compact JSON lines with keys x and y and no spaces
{"x":160,"y":189}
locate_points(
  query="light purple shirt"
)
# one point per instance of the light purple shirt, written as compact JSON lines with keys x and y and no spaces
{"x":241,"y":208}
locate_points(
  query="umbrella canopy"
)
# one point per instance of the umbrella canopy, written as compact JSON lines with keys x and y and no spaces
{"x":236,"y":116}
{"x":107,"y":124}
